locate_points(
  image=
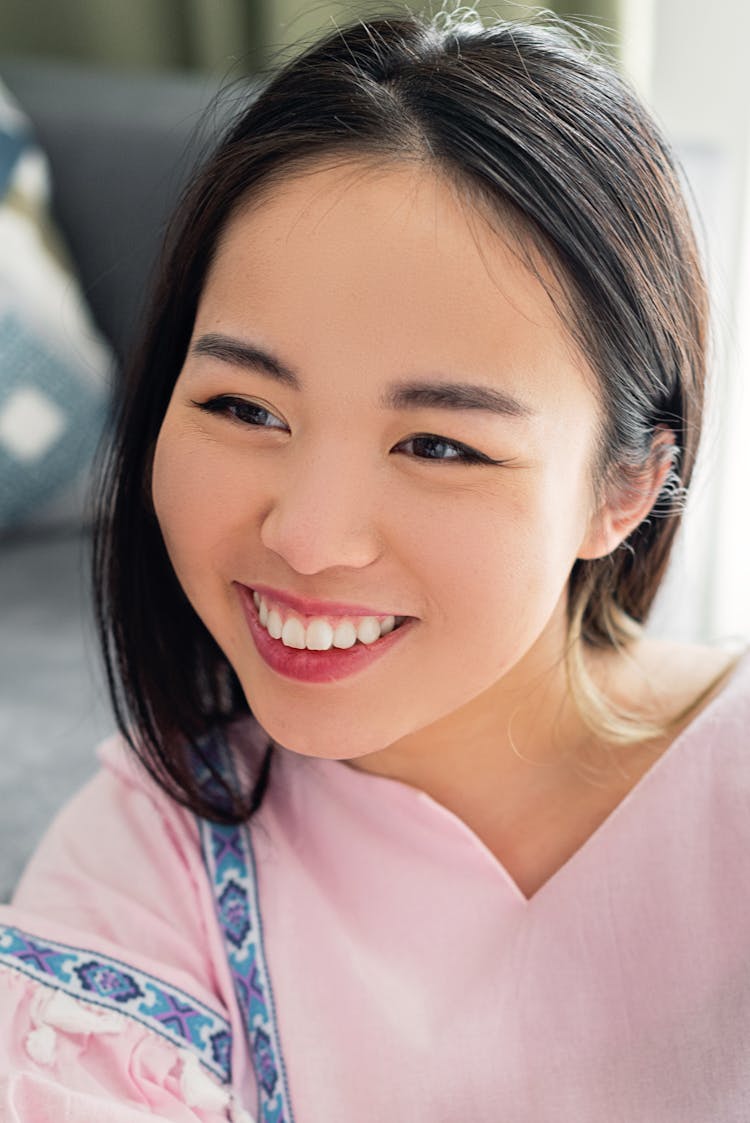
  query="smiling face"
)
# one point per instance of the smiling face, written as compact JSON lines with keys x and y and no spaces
{"x":315,"y":484}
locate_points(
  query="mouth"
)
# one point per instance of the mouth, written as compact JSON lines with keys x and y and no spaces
{"x":328,"y":662}
{"x":320,"y":631}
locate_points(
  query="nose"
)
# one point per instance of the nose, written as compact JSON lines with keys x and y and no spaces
{"x":322,"y":516}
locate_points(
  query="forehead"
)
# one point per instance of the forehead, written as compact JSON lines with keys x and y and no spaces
{"x":393,"y":263}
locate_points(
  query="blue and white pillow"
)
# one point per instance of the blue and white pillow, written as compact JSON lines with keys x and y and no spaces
{"x":56,"y":371}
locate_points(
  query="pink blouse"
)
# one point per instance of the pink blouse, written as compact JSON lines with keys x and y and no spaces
{"x":357,"y":955}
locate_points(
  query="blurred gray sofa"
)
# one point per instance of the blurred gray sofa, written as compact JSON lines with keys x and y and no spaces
{"x":120,"y":146}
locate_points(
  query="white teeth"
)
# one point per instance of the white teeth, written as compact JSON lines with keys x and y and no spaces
{"x":320,"y":634}
{"x":293,"y":633}
{"x":368,"y":630}
{"x":274,"y":624}
{"x":344,"y":634}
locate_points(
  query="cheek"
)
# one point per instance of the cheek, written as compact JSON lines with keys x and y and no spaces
{"x":506,"y":559}
{"x":472,"y":554}
{"x":193,"y":500}
{"x":172,"y":489}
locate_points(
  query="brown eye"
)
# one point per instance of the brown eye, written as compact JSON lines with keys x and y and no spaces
{"x":246,"y":413}
{"x":428,"y":446}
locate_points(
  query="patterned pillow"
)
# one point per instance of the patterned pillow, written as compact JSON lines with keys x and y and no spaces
{"x":56,"y":372}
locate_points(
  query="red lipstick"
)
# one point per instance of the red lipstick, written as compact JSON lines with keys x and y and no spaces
{"x":306,"y":607}
{"x":317,"y":666}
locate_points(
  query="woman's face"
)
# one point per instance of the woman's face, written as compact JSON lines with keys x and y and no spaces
{"x":360,"y":281}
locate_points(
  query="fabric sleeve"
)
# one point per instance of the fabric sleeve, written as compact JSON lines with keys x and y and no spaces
{"x":119,"y":861}
{"x":65,"y":1059}
{"x":112,"y":1003}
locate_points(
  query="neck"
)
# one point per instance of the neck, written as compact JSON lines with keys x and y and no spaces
{"x":508,"y":748}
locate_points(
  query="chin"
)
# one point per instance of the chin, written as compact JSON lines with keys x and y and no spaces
{"x":329,"y":740}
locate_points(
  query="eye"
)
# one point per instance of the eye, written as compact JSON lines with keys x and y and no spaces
{"x":432,"y":447}
{"x":436,"y":447}
{"x":240,"y":410}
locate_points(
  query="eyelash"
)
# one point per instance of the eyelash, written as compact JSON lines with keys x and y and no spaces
{"x":223,"y":406}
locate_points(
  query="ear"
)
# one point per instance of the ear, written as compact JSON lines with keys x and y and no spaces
{"x":630,"y":500}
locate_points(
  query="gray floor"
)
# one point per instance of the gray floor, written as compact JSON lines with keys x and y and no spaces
{"x":53,"y":706}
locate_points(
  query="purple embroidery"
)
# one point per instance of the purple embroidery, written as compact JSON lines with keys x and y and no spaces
{"x":230,"y":863}
{"x":221,"y":1044}
{"x":107,"y":982}
{"x":264,"y":1066}
{"x":226,"y":844}
{"x":103,"y":981}
{"x":178,"y":1016}
{"x":33,"y":954}
{"x":233,"y":913}
{"x":255,"y":986}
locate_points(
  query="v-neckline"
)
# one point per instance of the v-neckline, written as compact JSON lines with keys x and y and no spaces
{"x":605,"y":827}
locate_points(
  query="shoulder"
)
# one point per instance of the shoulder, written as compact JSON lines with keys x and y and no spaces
{"x":83,"y":1058}
{"x":113,"y":934}
{"x":120,"y":863}
{"x":118,"y":840}
{"x":120,"y":868}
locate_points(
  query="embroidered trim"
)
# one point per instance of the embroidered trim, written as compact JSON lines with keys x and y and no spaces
{"x":103,"y":981}
{"x":230,"y":861}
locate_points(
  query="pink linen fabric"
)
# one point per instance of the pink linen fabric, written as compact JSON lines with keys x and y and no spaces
{"x":411,"y":978}
{"x":119,"y":872}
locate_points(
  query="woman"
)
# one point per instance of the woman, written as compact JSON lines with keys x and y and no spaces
{"x":407,"y":816}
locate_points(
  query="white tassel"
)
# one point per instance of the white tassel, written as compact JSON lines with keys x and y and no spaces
{"x":239,"y":1115}
{"x":41,"y":1045}
{"x":61,"y":1011}
{"x":67,"y":1013}
{"x":199,"y":1089}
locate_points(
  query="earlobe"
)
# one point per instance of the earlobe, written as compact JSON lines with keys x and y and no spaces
{"x":631,"y":499}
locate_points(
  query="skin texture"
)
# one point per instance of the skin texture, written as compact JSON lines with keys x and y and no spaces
{"x":355,"y":276}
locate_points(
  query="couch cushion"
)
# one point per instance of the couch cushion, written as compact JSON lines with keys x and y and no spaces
{"x":121,"y":145}
{"x":56,"y":371}
{"x":54,"y":705}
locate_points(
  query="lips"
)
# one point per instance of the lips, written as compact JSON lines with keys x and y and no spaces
{"x":307,"y":607}
{"x":319,"y":633}
{"x":318,"y":667}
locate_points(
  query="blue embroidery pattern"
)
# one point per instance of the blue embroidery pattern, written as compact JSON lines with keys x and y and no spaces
{"x":230,"y":862}
{"x":102,"y":981}
{"x":233,"y":914}
{"x":234,"y":882}
{"x":108,"y":982}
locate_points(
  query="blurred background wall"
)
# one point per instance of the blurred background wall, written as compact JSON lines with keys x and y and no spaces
{"x":197,"y":34}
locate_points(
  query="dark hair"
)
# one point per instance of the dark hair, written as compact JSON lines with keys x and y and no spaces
{"x":524,"y":118}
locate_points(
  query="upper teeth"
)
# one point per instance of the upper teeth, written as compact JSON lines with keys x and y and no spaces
{"x":321,"y":633}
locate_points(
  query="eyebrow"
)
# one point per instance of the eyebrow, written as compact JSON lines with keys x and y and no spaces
{"x":408,"y":394}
